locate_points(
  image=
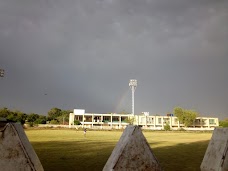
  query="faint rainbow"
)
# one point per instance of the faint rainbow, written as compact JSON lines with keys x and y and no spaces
{"x":121,"y":100}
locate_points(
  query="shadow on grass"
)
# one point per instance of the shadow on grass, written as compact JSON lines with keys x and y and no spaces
{"x":181,"y":157}
{"x":70,"y":156}
{"x":89,"y":155}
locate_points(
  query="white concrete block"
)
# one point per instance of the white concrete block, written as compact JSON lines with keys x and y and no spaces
{"x":216,"y":156}
{"x":132,"y":153}
{"x":16,"y":152}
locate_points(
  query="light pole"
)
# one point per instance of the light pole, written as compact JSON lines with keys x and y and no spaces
{"x":1,"y":72}
{"x":133,"y":85}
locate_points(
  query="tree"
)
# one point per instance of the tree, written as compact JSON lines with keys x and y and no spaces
{"x":41,"y":120}
{"x":4,"y":112}
{"x":64,"y":117}
{"x":21,"y":117}
{"x":223,"y":123}
{"x":187,"y":117}
{"x":54,"y":113}
{"x":13,"y":116}
{"x":32,"y":118}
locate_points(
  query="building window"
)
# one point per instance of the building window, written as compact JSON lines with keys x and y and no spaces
{"x":97,"y":119}
{"x":107,"y":118}
{"x":79,"y":118}
{"x":88,"y":118}
{"x":150,"y":120}
{"x":124,"y":119}
{"x":204,"y":121}
{"x":159,"y":120}
{"x":211,"y":121}
{"x":115,"y":119}
{"x":197,"y":121}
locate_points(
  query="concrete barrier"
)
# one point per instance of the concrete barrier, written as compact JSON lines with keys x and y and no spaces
{"x":216,"y":156}
{"x":132,"y":153}
{"x":16,"y":151}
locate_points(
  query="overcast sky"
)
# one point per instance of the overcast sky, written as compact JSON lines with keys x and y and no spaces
{"x":82,"y":53}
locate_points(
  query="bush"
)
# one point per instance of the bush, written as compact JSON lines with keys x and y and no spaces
{"x":40,"y":121}
{"x":55,"y":122}
{"x":77,"y":122}
{"x":130,"y":120}
{"x":31,"y":124}
{"x":167,"y":127}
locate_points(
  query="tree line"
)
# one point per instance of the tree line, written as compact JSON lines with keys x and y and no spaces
{"x":54,"y":116}
{"x":59,"y":116}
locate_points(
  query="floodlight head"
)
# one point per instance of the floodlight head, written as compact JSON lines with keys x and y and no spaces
{"x":133,"y":83}
{"x":1,"y":72}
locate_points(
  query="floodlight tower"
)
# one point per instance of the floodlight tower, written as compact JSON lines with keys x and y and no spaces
{"x":133,"y":85}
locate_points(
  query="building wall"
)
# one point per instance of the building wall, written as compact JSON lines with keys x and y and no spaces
{"x":118,"y":121}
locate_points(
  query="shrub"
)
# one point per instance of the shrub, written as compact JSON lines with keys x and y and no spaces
{"x":77,"y":122}
{"x":54,"y":122}
{"x":167,"y":127}
{"x":130,"y":120}
{"x":40,"y":121}
{"x":31,"y":124}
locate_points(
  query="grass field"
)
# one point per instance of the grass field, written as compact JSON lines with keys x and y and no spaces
{"x":68,"y":150}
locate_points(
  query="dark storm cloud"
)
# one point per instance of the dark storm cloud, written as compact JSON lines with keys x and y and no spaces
{"x":83,"y":53}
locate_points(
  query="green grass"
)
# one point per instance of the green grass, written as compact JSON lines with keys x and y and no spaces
{"x":70,"y":150}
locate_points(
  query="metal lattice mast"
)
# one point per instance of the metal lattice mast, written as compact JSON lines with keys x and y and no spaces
{"x":133,"y":85}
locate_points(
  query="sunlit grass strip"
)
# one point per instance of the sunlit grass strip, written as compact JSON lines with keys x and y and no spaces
{"x":70,"y":150}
